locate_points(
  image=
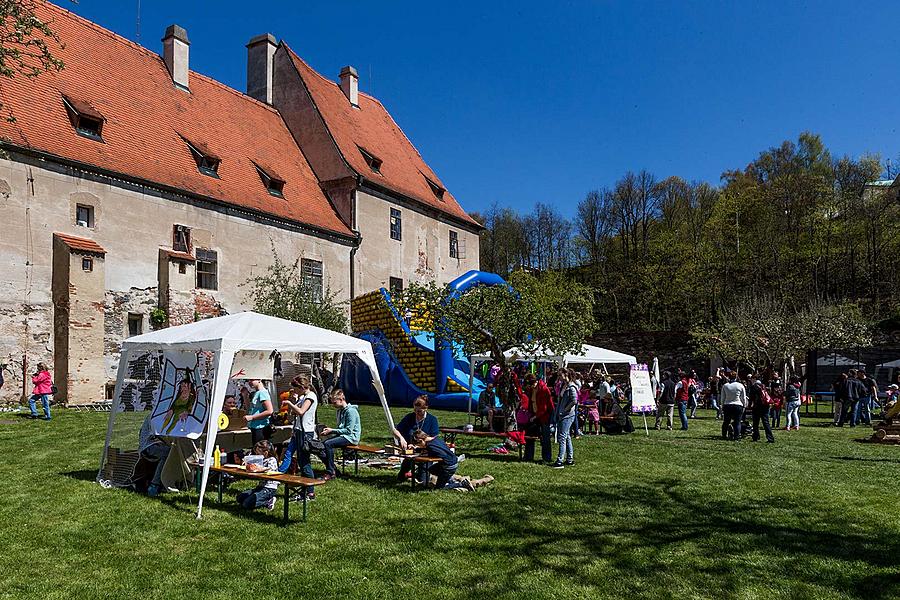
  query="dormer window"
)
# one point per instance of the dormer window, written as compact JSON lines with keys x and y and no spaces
{"x":207,"y":162}
{"x":87,"y":120}
{"x":274,"y":185}
{"x":437,"y":190}
{"x":373,"y":161}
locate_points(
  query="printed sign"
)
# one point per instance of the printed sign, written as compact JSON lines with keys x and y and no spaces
{"x":182,"y":404}
{"x":250,"y":364}
{"x":642,"y":399}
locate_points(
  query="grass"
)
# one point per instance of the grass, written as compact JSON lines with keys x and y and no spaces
{"x":678,"y":514}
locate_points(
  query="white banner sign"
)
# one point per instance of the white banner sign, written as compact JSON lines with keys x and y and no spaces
{"x":642,"y":399}
{"x":249,"y":364}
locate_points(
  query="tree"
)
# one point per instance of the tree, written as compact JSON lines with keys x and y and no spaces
{"x":536,"y":311}
{"x":26,"y":41}
{"x":283,"y":292}
{"x":768,"y":332}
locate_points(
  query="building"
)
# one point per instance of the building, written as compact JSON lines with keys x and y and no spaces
{"x":136,"y":191}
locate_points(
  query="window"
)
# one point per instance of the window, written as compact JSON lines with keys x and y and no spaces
{"x":207,"y":269}
{"x":86,"y":120}
{"x":395,"y":285}
{"x":181,"y":239}
{"x":373,"y":161}
{"x":311,"y":272}
{"x":84,"y":215}
{"x":454,"y":244}
{"x":273,"y":185}
{"x":87,"y":264}
{"x":207,"y":162}
{"x":396,"y":225}
{"x":182,"y":267}
{"x":135,"y":324}
{"x":437,"y":190}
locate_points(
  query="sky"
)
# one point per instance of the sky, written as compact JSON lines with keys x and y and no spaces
{"x":517,"y":103}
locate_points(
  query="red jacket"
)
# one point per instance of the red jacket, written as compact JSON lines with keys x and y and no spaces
{"x":43,"y":383}
{"x":543,"y":403}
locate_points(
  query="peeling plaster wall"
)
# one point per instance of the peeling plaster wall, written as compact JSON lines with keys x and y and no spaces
{"x":132,"y":224}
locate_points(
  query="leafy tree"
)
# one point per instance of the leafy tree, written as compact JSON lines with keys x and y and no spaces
{"x":283,"y":292}
{"x":767,"y":332}
{"x":544,"y":310}
{"x":26,"y":42}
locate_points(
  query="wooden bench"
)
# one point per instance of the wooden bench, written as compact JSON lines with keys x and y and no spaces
{"x":425,"y":461}
{"x":450,"y":434}
{"x":288,"y":481}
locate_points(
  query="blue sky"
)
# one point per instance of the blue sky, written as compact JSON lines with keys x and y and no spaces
{"x":525,"y":102}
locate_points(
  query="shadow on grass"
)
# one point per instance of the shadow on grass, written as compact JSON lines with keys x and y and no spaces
{"x":82,"y":475}
{"x":636,"y":533}
{"x":866,"y":459}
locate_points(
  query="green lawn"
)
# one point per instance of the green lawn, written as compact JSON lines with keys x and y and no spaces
{"x":675,"y":515}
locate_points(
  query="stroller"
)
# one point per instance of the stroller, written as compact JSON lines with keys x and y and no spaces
{"x":746,"y":428}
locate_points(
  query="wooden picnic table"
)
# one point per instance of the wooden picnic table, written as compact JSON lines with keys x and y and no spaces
{"x":288,"y":481}
{"x":450,"y":434}
{"x":418,"y":459}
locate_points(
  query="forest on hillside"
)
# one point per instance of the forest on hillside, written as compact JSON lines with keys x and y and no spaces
{"x":798,"y":227}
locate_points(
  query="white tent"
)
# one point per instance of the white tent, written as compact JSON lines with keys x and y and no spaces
{"x":589,"y":354}
{"x":225,"y":336}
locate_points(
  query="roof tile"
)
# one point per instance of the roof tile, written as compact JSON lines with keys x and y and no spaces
{"x":371,"y":128}
{"x":146,"y":115}
{"x":80,"y":244}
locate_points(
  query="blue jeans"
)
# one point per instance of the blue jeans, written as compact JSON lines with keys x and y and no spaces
{"x":443,"y":474}
{"x":863,"y":413}
{"x":45,"y":400}
{"x":304,"y":464}
{"x":793,"y":414}
{"x":563,"y":437}
{"x":330,"y":444}
{"x":255,"y":498}
{"x":713,"y":404}
{"x":682,"y":414}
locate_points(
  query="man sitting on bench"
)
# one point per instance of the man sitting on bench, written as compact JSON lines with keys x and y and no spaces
{"x":410,"y":425}
{"x":487,"y":405}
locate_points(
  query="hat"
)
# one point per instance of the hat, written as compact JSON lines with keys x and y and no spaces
{"x":894,"y":386}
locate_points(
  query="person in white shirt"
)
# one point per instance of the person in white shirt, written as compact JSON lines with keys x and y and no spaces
{"x":733,"y":398}
{"x":302,"y":404}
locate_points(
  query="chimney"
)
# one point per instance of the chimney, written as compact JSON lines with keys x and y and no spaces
{"x":260,"y":66}
{"x":176,"y":49}
{"x":350,"y":85}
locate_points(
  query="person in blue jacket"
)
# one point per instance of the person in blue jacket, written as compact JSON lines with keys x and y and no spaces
{"x":406,"y":430}
{"x":444,"y":471}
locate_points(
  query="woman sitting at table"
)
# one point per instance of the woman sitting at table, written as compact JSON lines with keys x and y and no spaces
{"x":406,"y":430}
{"x":347,"y":432}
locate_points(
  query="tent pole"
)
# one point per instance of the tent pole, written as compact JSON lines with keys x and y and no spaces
{"x":224,"y":362}
{"x":471,"y":382}
{"x":124,"y":355}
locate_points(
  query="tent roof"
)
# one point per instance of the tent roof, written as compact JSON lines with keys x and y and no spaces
{"x":249,"y":331}
{"x":588,"y":354}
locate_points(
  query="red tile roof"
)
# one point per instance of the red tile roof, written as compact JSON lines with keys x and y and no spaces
{"x":371,"y":127}
{"x":146,"y":117}
{"x":80,"y":244}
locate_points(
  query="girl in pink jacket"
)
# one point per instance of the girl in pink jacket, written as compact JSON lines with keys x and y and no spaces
{"x":43,"y":387}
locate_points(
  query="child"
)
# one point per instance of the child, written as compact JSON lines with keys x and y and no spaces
{"x":591,"y":410}
{"x":436,"y":448}
{"x":262,"y":460}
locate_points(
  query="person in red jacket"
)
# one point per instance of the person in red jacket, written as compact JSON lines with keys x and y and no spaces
{"x":43,"y":387}
{"x":542,"y":408}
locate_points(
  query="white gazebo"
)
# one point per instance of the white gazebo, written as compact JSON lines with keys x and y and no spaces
{"x":226,"y":336}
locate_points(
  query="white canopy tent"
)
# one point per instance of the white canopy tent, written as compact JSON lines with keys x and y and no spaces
{"x":589,"y":354}
{"x":228,"y":335}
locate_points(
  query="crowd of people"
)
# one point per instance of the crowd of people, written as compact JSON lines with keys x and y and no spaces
{"x":560,"y":407}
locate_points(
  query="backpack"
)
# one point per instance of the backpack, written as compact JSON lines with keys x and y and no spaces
{"x":765,"y":396}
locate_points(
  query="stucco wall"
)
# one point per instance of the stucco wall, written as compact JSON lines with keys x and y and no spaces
{"x":131,"y":224}
{"x":423,"y":253}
